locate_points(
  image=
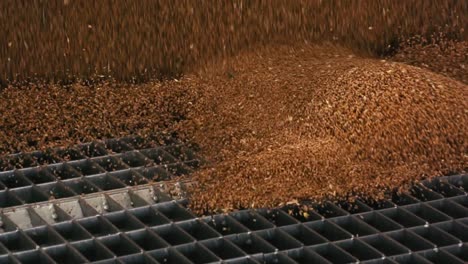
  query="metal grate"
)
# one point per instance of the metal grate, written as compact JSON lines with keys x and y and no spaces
{"x":90,"y":168}
{"x":117,"y":222}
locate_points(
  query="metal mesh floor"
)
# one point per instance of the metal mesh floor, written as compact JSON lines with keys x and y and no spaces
{"x":114,"y":202}
{"x":90,"y":168}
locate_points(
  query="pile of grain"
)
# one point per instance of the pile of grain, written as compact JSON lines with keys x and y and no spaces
{"x":289,"y":123}
{"x":278,"y":124}
{"x":40,"y":116}
{"x":438,"y":52}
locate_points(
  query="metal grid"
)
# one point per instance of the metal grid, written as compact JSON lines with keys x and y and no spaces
{"x":91,"y":168}
{"x":429,"y":226}
{"x":144,"y":224}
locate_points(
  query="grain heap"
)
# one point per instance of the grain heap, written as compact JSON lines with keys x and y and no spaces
{"x":438,"y":53}
{"x":305,"y":122}
{"x":41,"y":116}
{"x":279,"y":123}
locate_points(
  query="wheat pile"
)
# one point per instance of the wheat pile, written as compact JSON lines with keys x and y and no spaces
{"x":311,"y":122}
{"x":280,"y":96}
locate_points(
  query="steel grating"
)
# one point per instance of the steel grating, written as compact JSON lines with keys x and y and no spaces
{"x":115,"y":202}
{"x":91,"y":168}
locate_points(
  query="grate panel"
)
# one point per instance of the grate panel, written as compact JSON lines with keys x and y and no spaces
{"x":333,"y":253}
{"x":304,"y":256}
{"x":304,"y":235}
{"x":329,"y":230}
{"x":92,"y":250}
{"x":197,"y":253}
{"x":251,"y":244}
{"x":65,"y":254}
{"x":252,"y":221}
{"x":120,"y":245}
{"x":168,"y":231}
{"x":114,"y":202}
{"x":169,"y":256}
{"x":198,"y":230}
{"x":460,"y":252}
{"x":279,"y":239}
{"x":359,"y":250}
{"x":223,"y":248}
{"x":138,"y":258}
{"x":94,"y":167}
{"x":385,"y":245}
